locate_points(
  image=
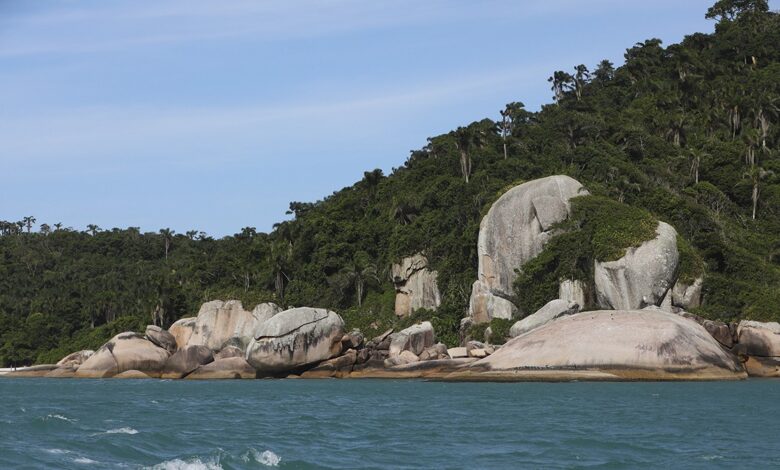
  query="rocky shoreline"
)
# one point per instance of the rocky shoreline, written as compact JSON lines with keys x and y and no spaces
{"x":305,"y":343}
{"x":635,"y":325}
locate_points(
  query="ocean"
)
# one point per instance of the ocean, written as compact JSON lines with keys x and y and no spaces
{"x":344,"y":424}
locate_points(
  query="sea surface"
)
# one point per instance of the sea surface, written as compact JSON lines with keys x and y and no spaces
{"x":83,"y":424}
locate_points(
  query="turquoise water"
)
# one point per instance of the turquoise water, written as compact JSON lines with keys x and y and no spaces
{"x":50,"y":423}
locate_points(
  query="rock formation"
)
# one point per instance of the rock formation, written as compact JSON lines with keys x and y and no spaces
{"x":219,"y":323}
{"x":186,"y":360}
{"x":642,"y":277}
{"x":125,"y":351}
{"x":161,"y":338}
{"x":574,"y":291}
{"x":552,"y":310}
{"x":415,"y":285}
{"x":514,"y":231}
{"x":227,"y":368}
{"x":295,"y":338}
{"x":182,"y":331}
{"x":759,"y":346}
{"x":414,"y":339}
{"x":75,"y":359}
{"x":687,"y":296}
{"x":610,"y":345}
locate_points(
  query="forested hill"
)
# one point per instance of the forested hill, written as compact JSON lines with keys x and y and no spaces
{"x":688,"y":132}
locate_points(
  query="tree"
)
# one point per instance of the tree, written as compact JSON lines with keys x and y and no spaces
{"x":93,"y":229}
{"x":581,"y":77}
{"x":756,"y":175}
{"x":360,"y":272}
{"x":695,"y":156}
{"x":513,"y":115}
{"x":730,"y":10}
{"x":604,"y":72}
{"x":28,"y":222}
{"x":167,"y":235}
{"x":561,"y":81}
{"x":466,"y":139}
{"x":45,"y":229}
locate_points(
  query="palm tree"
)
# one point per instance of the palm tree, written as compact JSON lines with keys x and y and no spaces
{"x":756,"y":175}
{"x":696,"y":156}
{"x":752,"y":140}
{"x":360,"y":275}
{"x":28,"y":222}
{"x":93,"y":229}
{"x":167,"y":238}
{"x":511,"y":115}
{"x":279,"y":255}
{"x":466,"y":138}
{"x":581,"y":77}
{"x":560,"y":82}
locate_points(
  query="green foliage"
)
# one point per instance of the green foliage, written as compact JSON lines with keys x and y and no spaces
{"x":691,"y":263}
{"x":598,"y":229}
{"x":670,"y":133}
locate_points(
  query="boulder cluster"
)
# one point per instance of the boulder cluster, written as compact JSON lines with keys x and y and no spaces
{"x":224,"y":341}
{"x":638,"y":328}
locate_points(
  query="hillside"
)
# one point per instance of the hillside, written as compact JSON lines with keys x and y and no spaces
{"x":686,"y":133}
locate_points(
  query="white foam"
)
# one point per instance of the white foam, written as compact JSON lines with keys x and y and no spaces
{"x":267,"y":458}
{"x":84,"y":460}
{"x":60,"y":417}
{"x":57,"y":451}
{"x":192,"y":464}
{"x":121,"y":431}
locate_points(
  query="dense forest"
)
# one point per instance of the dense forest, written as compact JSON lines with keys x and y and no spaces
{"x":687,"y":133}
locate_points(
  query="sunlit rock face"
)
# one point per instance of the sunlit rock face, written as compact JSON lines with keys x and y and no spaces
{"x":415,"y":285}
{"x":514,"y":231}
{"x":295,"y":338}
{"x":642,"y":277}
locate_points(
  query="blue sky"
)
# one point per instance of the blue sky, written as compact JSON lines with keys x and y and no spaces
{"x":215,"y":115}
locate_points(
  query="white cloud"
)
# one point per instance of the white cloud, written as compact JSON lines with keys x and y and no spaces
{"x":79,"y":132}
{"x":109,"y":26}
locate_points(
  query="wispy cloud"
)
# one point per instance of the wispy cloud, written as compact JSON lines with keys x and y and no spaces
{"x":107,"y":26}
{"x":78,"y":131}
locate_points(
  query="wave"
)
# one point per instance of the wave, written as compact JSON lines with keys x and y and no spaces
{"x":84,"y":460}
{"x":60,"y":417}
{"x":267,"y":458}
{"x":57,"y":451}
{"x":191,"y":464}
{"x":121,"y":431}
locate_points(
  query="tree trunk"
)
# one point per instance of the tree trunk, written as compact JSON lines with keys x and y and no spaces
{"x":755,"y":199}
{"x":465,"y":164}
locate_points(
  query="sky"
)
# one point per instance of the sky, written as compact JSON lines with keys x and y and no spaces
{"x":214,"y":116}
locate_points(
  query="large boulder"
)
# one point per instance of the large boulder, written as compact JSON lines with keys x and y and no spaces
{"x":186,"y":360}
{"x":161,"y":338}
{"x":758,"y":338}
{"x":227,"y":368}
{"x":415,"y":285}
{"x":642,"y":277}
{"x":552,"y":310}
{"x":75,"y":359}
{"x":515,"y":230}
{"x":219,"y":323}
{"x":337,"y":367}
{"x":125,"y":351}
{"x":610,"y":345}
{"x":687,"y":296}
{"x":182,"y":331}
{"x":415,"y":339}
{"x":294,"y":339}
{"x":573,"y":290}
